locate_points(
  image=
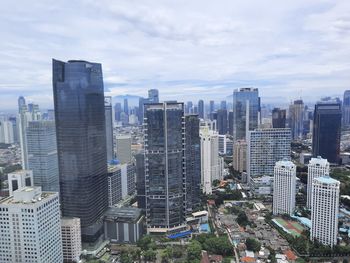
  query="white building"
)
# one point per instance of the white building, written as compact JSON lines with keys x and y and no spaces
{"x":210,"y":161}
{"x":317,"y":167}
{"x":261,"y":186}
{"x":6,"y":132}
{"x":71,"y":239}
{"x":123,"y":151}
{"x":30,"y":227}
{"x":19,"y":179}
{"x":284,"y":186}
{"x":324,"y":210}
{"x":265,"y":147}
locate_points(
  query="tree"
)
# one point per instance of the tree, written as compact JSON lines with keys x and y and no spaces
{"x":146,"y":242}
{"x":216,"y":182}
{"x":242,"y":219}
{"x":150,"y":255}
{"x":253,"y":244}
{"x":177,"y":252}
{"x":194,"y":250}
{"x":124,"y":257}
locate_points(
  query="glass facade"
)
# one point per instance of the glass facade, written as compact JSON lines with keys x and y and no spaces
{"x":164,"y":164}
{"x":241,"y":98}
{"x":81,"y":142}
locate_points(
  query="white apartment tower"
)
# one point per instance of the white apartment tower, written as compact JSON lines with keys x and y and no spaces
{"x":317,"y":167}
{"x":324,"y":210}
{"x":71,"y":239}
{"x":284,"y":186}
{"x":30,"y":227}
{"x":240,"y":156}
{"x":210,"y":163}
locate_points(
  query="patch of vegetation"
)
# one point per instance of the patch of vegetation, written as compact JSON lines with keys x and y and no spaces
{"x":253,"y":244}
{"x":215,"y":245}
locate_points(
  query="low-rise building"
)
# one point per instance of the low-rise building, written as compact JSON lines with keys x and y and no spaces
{"x":261,"y":186}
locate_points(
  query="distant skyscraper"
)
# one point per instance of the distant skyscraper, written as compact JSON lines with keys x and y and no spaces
{"x":326,"y":131}
{"x":230,"y":122}
{"x":201,"y":109}
{"x":164,"y":163}
{"x":296,"y":119}
{"x":153,"y":95}
{"x":346,"y":108}
{"x":123,"y":143}
{"x":325,"y":210}
{"x":126,"y":106}
{"x":30,"y":227}
{"x":278,"y":118}
{"x":21,"y":103}
{"x":189,"y":107}
{"x":284,"y":187}
{"x":223,"y":105}
{"x":23,"y":118}
{"x":19,"y":179}
{"x":265,"y":148}
{"x":42,"y":154}
{"x":222,"y":121}
{"x":109,"y":128}
{"x":246,"y":107}
{"x":193,"y":163}
{"x":6,"y":132}
{"x":81,"y":143}
{"x":117,"y":111}
{"x":211,"y":109}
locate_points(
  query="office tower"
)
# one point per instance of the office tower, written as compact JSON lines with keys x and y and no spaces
{"x":21,"y":103}
{"x":126,"y":106}
{"x":210,"y":168}
{"x":23,"y":117}
{"x":81,"y":143}
{"x":109,"y":128}
{"x":193,"y":163}
{"x":201,"y":109}
{"x":246,"y":111}
{"x":13,"y":120}
{"x":123,"y":144}
{"x":222,"y":140}
{"x":223,"y":105}
{"x":222,"y":121}
{"x":278,"y":118}
{"x":284,"y":187}
{"x":317,"y":167}
{"x":30,"y":227}
{"x":117,"y":111}
{"x":326,"y":131}
{"x":71,"y":239}
{"x":42,"y":154}
{"x":50,"y":115}
{"x":324,"y":210}
{"x":211,"y":109}
{"x":189,"y":107}
{"x":6,"y":132}
{"x":164,"y":133}
{"x":346,"y":108}
{"x":230,"y":122}
{"x":140,"y":180}
{"x":240,"y":156}
{"x":19,"y":179}
{"x":265,"y":147}
{"x":296,"y":119}
{"x":153,"y":95}
{"x":34,"y":111}
{"x":121,"y":182}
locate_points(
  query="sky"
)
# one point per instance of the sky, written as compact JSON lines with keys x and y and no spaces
{"x":188,"y":49}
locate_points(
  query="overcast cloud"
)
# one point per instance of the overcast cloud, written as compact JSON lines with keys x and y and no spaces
{"x":187,"y":49}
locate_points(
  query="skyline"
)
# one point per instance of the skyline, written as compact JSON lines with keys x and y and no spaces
{"x":181,"y":49}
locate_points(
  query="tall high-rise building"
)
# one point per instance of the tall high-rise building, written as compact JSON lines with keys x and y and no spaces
{"x":21,"y":103}
{"x":296,"y":119}
{"x":153,"y":95}
{"x":326,"y":131}
{"x":7,"y":134}
{"x":210,"y":166}
{"x":164,"y":132}
{"x":71,"y":239}
{"x":123,"y":144}
{"x":211,"y":109}
{"x":81,"y":143}
{"x":246,"y":112}
{"x":30,"y":227}
{"x":284,"y":188}
{"x":126,"y":106}
{"x":324,"y":210}
{"x":23,"y":118}
{"x":109,"y":128}
{"x":265,"y":148}
{"x":346,"y":108}
{"x":142,"y":102}
{"x":222,"y":121}
{"x":278,"y":118}
{"x":117,"y":111}
{"x":19,"y":179}
{"x":317,"y":167}
{"x":240,"y":156}
{"x":193,"y":163}
{"x":223,"y":105}
{"x":189,"y":107}
{"x":201,"y":109}
{"x":42,"y":154}
{"x":230,"y":122}
{"x":140,"y":180}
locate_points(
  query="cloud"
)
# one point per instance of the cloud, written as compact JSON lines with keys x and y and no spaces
{"x":186,"y":49}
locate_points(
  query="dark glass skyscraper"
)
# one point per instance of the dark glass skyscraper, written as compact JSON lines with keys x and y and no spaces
{"x":81,"y":143}
{"x":346,"y":108}
{"x":230,"y":122}
{"x":109,"y":128}
{"x":153,"y":95}
{"x":296,"y":119}
{"x":326,"y":131}
{"x":126,"y":106}
{"x":193,"y":163}
{"x":201,"y":109}
{"x":278,"y":118}
{"x":222,"y":121}
{"x":164,"y":131}
{"x":211,"y":109}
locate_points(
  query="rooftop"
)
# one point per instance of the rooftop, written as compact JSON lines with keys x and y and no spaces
{"x":319,"y":160}
{"x":27,"y":195}
{"x":326,"y":180}
{"x":124,"y":214}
